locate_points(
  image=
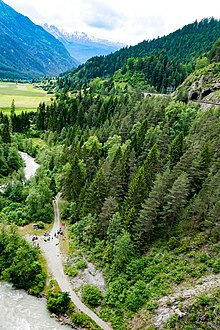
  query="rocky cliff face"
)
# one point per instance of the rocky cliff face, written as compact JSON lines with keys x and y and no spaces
{"x":202,"y":85}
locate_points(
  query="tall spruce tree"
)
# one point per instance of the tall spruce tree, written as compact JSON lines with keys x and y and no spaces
{"x":175,"y":201}
{"x":146,"y":227}
{"x":176,"y":150}
{"x":96,"y":194}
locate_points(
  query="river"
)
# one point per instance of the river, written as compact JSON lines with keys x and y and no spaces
{"x":30,"y":167}
{"x":20,"y":311}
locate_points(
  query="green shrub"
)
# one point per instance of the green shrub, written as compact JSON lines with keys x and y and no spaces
{"x":179,"y":277}
{"x":152,"y":305}
{"x":173,"y":320}
{"x":80,"y":319}
{"x":150,"y":273}
{"x":203,"y":256}
{"x":58,"y":302}
{"x":135,"y":268}
{"x":91,"y":295}
{"x":81,"y":264}
{"x":117,"y":321}
{"x":215,"y":247}
{"x":216,"y":266}
{"x":72,"y":271}
{"x":203,"y":300}
{"x":137,"y":297}
{"x":40,"y":224}
{"x":199,"y":240}
{"x":172,"y":243}
{"x":117,"y":291}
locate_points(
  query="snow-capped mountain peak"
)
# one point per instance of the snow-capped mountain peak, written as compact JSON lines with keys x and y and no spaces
{"x":82,"y":46}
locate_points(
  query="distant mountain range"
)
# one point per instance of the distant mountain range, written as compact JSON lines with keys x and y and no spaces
{"x":27,"y":50}
{"x":81,"y":46}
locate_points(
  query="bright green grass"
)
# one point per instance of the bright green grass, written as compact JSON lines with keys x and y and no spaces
{"x":7,"y":110}
{"x":26,"y":97}
{"x":38,"y":142}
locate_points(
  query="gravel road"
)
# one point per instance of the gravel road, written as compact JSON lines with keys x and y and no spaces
{"x":51,"y":250}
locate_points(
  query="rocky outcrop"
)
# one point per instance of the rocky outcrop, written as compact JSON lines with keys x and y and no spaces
{"x":169,"y":305}
{"x":65,"y":320}
{"x":201,"y":85}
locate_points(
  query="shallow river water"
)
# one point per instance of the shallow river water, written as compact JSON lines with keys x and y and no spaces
{"x":30,"y":165}
{"x":20,"y":311}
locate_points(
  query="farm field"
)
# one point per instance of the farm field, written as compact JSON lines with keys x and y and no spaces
{"x":26,"y":97}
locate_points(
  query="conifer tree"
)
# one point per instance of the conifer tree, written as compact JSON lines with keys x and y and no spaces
{"x":140,"y":136}
{"x":13,"y":107}
{"x":96,"y":194}
{"x":4,"y":170}
{"x":134,"y":198}
{"x":107,"y":211}
{"x":6,"y":137}
{"x":116,"y":177}
{"x":175,"y":201}
{"x":176,"y":150}
{"x":151,"y":167}
{"x":41,"y":117}
{"x":73,"y":179}
{"x":200,"y":167}
{"x":147,"y":225}
{"x":14,"y":160}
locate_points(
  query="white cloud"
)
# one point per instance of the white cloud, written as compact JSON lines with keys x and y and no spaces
{"x":118,"y":20}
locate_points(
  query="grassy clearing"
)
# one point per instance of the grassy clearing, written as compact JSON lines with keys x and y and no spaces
{"x":38,"y":142}
{"x":26,"y":97}
{"x":7,"y":110}
{"x":29,"y":229}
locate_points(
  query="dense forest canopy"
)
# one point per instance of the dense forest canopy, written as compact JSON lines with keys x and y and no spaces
{"x":172,"y":56}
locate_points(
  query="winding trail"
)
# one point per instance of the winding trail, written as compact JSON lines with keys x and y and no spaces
{"x":53,"y":256}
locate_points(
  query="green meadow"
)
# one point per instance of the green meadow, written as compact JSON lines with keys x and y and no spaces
{"x":26,"y":97}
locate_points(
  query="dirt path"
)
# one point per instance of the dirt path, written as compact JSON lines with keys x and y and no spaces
{"x":168,"y":305}
{"x":53,"y":256}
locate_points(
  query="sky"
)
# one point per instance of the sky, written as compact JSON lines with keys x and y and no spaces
{"x":126,"y":21}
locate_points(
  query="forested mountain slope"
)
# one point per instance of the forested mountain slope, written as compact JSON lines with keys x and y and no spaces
{"x":27,"y":50}
{"x":160,"y":62}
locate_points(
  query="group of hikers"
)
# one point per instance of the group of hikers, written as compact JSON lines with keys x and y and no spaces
{"x":48,"y":236}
